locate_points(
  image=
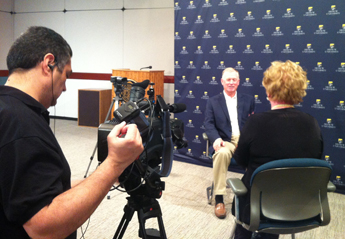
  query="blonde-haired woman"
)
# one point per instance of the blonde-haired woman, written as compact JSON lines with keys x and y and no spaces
{"x":282,"y":132}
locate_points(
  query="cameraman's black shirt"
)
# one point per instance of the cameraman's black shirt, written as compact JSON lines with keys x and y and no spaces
{"x":33,"y":168}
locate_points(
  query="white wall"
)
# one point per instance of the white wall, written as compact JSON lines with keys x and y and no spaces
{"x":102,"y":37}
{"x":6,"y":31}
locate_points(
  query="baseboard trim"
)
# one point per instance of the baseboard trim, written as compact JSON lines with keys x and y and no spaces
{"x":63,"y":118}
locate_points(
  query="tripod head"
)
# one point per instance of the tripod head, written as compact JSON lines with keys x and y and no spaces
{"x":119,"y":83}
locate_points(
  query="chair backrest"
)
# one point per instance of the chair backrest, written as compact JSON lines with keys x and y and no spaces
{"x":290,"y":190}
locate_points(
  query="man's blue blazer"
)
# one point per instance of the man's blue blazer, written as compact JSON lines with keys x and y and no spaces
{"x":217,"y":119}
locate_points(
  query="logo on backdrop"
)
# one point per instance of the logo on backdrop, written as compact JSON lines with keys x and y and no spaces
{"x":184,"y":50}
{"x":190,"y":95}
{"x":287,"y":49}
{"x":199,"y":20}
{"x":320,"y":31}
{"x":240,"y":2}
{"x":239,"y":33}
{"x":189,"y":153}
{"x":196,"y":140}
{"x":332,"y":49}
{"x":309,"y":86}
{"x":333,"y":11}
{"x":190,"y":124}
{"x":328,"y":124}
{"x":222,"y":34}
{"x":214,"y":18}
{"x":277,"y":32}
{"x":310,"y":13}
{"x":339,"y":144}
{"x":213,"y":81}
{"x":232,"y":17}
{"x":175,"y":151}
{"x":191,"y":65}
{"x":184,"y":80}
{"x":204,"y":156}
{"x":191,"y":36}
{"x":268,"y":15}
{"x":214,"y":50}
{"x":191,"y":5}
{"x":309,"y":49}
{"x":198,"y":50}
{"x":184,"y":21}
{"x":205,"y":96}
{"x":248,"y":50}
{"x":341,"y":68}
{"x":258,"y":33}
{"x":342,"y":30}
{"x":338,"y":181}
{"x":221,"y":66}
{"x":319,"y":68}
{"x":206,"y":66}
{"x":288,"y":13}
{"x":328,"y":160}
{"x":318,"y":105}
{"x":176,"y":94}
{"x":298,"y":31}
{"x":197,"y":81}
{"x":247,"y":83}
{"x":177,"y":66}
{"x":257,"y":100}
{"x":206,"y":35}
{"x":249,"y":17}
{"x":177,"y":7}
{"x":330,"y":87}
{"x":197,"y":110}
{"x":267,"y":49}
{"x":239,"y":67}
{"x":231,"y":50}
{"x":207,"y":4}
{"x":257,"y":66}
{"x":341,"y":106}
{"x":223,"y":3}
{"x":177,"y":37}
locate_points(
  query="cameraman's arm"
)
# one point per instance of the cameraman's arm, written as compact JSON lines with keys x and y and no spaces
{"x":70,"y":210}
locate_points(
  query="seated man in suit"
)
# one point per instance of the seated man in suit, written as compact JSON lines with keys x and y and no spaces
{"x":225,"y":116}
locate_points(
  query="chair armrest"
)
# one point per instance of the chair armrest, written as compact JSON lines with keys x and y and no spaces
{"x":237,"y":186}
{"x":204,"y":135}
{"x":331,"y":187}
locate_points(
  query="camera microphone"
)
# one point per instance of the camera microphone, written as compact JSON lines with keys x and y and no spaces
{"x":138,"y":91}
{"x":147,"y":67}
{"x":177,"y":108}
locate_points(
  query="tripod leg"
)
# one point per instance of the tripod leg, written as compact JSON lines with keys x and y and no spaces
{"x":129,"y":211}
{"x":91,"y":158}
{"x":154,"y":212}
{"x":161,"y":227}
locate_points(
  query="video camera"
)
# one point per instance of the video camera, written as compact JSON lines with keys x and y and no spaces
{"x":158,"y":133}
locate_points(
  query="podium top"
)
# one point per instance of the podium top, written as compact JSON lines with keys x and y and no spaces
{"x":144,"y":70}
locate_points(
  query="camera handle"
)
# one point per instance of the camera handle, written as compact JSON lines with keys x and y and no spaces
{"x":115,"y":102}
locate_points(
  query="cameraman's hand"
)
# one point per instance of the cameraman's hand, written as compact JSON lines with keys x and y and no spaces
{"x":124,"y":150}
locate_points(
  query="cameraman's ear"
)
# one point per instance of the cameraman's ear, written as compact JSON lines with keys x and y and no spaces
{"x":49,"y":62}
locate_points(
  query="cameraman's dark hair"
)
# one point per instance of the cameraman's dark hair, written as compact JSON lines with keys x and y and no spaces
{"x":31,"y":47}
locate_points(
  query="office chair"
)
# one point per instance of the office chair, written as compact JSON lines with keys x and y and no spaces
{"x":287,"y":196}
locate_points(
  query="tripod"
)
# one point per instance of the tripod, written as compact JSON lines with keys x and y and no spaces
{"x":115,"y":101}
{"x":146,"y":208}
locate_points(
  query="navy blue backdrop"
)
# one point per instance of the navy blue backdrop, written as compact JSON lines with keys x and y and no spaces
{"x":248,"y":35}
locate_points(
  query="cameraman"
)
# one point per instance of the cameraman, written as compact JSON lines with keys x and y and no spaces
{"x":36,"y":198}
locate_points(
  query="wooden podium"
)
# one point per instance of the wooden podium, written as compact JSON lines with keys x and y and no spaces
{"x":156,"y":77}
